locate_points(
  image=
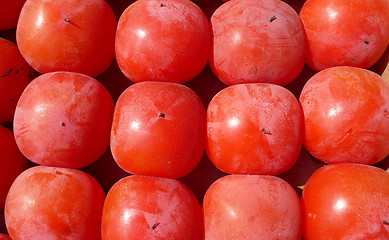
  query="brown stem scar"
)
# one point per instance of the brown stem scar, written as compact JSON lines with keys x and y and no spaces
{"x":265,"y":131}
{"x":155,"y":225}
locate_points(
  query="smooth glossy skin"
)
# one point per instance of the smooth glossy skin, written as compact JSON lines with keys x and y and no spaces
{"x":257,"y":41}
{"x":67,"y":35}
{"x":158,"y":129}
{"x":15,"y":75}
{"x":64,"y":119}
{"x":165,"y":41}
{"x":346,"y":112}
{"x":12,"y":162}
{"x":251,"y":207}
{"x":254,"y":128}
{"x":9,"y":13}
{"x":347,"y":201}
{"x":345,"y":33}
{"x":54,"y":203}
{"x":141,"y":207}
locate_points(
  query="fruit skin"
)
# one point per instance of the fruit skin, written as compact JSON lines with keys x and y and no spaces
{"x":67,"y":35}
{"x":254,"y":128}
{"x":251,"y":207}
{"x":158,"y":129}
{"x":54,"y":203}
{"x":4,"y":236}
{"x":162,"y":41}
{"x":345,"y":33}
{"x":12,"y":162}
{"x":346,"y":115}
{"x":15,"y":75}
{"x":63,"y":119}
{"x":346,"y":201}
{"x":145,"y":207}
{"x":257,"y":41}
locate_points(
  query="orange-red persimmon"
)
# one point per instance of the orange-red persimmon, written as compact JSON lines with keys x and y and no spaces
{"x":145,"y":207}
{"x":15,"y":75}
{"x":345,"y":33}
{"x":254,"y":128}
{"x":54,"y":203}
{"x":346,"y":111}
{"x":158,"y":129}
{"x":12,"y":162}
{"x":346,"y":201}
{"x":67,"y":35}
{"x":257,"y":41}
{"x":166,"y":41}
{"x":63,"y":119}
{"x":252,"y":207}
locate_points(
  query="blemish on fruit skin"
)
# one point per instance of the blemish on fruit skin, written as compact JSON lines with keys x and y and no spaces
{"x":352,"y":59}
{"x":161,"y":115}
{"x":255,"y":72}
{"x":30,"y":73}
{"x":162,"y":5}
{"x":366,"y":41}
{"x":385,"y":222}
{"x":272,"y":18}
{"x":62,"y":124}
{"x":155,"y":225}
{"x":8,"y":73}
{"x":67,"y":20}
{"x":265,"y":131}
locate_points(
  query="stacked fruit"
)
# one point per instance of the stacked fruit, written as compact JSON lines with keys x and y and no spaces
{"x":178,"y":119}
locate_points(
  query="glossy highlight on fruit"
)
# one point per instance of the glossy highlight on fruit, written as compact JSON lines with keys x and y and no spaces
{"x":158,"y":129}
{"x":345,"y":33}
{"x":67,"y":35}
{"x":144,"y":207}
{"x":257,"y":41}
{"x":347,"y":201}
{"x":251,"y":207}
{"x":346,"y":115}
{"x":54,"y":203}
{"x":254,"y":128}
{"x":166,"y":41}
{"x":63,"y":119}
